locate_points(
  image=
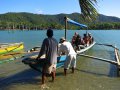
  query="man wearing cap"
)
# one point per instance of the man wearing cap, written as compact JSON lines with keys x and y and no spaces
{"x":50,"y":49}
{"x":68,"y":50}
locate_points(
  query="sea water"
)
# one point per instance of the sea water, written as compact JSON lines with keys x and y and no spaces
{"x":90,"y":74}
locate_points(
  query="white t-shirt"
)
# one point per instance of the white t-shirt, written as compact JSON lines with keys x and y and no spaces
{"x":67,"y":48}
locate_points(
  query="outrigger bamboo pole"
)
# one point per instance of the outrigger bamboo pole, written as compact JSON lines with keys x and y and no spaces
{"x":65,"y":27}
{"x":101,"y":59}
{"x":109,"y":45}
{"x":117,"y":57}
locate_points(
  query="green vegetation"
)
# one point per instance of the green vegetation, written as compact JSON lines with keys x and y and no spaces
{"x":88,"y":9}
{"x":30,"y":21}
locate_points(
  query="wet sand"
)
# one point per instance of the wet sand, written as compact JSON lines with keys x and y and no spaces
{"x":89,"y":75}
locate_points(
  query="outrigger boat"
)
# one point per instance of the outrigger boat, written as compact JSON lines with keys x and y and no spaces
{"x":37,"y":65}
{"x":10,"y":47}
{"x":11,"y":51}
{"x":86,"y":48}
{"x":30,"y":59}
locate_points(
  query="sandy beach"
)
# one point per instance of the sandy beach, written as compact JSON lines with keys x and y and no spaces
{"x":15,"y":75}
{"x":18,"y":76}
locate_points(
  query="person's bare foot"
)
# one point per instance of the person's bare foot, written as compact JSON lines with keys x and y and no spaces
{"x":44,"y":86}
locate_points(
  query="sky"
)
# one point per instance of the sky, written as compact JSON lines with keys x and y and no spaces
{"x":105,"y":7}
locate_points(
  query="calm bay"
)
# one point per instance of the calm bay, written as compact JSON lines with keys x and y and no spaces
{"x":89,"y":75}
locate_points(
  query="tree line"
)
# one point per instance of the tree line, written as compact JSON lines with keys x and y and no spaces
{"x":29,"y":21}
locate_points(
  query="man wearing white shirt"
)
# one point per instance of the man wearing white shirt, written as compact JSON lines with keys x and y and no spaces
{"x":68,"y":50}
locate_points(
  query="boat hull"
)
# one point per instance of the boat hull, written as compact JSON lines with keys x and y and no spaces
{"x":38,"y":64}
{"x":86,"y":48}
{"x":11,"y":48}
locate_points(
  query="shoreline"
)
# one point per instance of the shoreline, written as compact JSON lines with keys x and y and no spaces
{"x":17,"y":76}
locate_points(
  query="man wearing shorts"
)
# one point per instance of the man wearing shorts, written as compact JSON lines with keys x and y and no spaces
{"x":50,"y":49}
{"x":68,"y":50}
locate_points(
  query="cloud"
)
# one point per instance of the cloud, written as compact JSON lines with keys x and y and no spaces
{"x":38,"y":11}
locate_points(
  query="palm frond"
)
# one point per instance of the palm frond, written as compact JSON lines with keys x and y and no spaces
{"x":88,"y":10}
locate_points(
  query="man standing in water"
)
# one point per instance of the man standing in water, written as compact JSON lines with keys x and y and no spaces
{"x":50,"y":49}
{"x":68,"y":50}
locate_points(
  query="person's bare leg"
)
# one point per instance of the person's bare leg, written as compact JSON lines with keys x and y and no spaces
{"x":43,"y":78}
{"x":65,"y":71}
{"x":73,"y":69}
{"x":53,"y":75}
{"x":43,"y":85}
{"x":43,"y":74}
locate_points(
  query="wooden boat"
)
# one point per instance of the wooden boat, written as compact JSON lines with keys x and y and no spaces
{"x":37,"y":64}
{"x":30,"y":58}
{"x":85,"y":48}
{"x":10,"y":47}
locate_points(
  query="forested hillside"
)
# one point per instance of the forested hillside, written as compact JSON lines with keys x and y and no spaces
{"x":30,"y":21}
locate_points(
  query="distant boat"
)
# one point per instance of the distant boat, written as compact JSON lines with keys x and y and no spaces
{"x":10,"y":47}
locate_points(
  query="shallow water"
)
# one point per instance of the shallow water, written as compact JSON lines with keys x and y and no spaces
{"x":89,"y":75}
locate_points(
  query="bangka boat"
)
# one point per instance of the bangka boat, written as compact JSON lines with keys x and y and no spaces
{"x":85,"y":48}
{"x":30,"y":58}
{"x":37,"y":64}
{"x":10,"y":47}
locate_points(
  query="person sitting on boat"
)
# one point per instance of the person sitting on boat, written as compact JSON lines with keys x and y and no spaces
{"x":74,"y":39}
{"x":86,"y":39}
{"x":67,"y":48}
{"x":79,"y":43}
{"x":91,"y":39}
{"x":50,"y":49}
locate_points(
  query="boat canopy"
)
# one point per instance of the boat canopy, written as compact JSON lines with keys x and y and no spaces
{"x":76,"y":23}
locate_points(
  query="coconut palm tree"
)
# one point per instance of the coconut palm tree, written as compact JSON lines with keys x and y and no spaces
{"x":88,"y":10}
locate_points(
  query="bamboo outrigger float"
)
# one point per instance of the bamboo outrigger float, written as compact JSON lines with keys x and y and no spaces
{"x":117,"y":57}
{"x":115,"y":62}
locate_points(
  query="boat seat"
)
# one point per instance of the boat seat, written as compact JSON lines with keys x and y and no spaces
{"x":81,"y":47}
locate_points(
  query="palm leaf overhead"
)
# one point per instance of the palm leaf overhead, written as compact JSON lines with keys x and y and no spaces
{"x":88,"y":10}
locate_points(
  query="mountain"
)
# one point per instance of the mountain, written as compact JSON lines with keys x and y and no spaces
{"x":41,"y":20}
{"x":103,"y":18}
